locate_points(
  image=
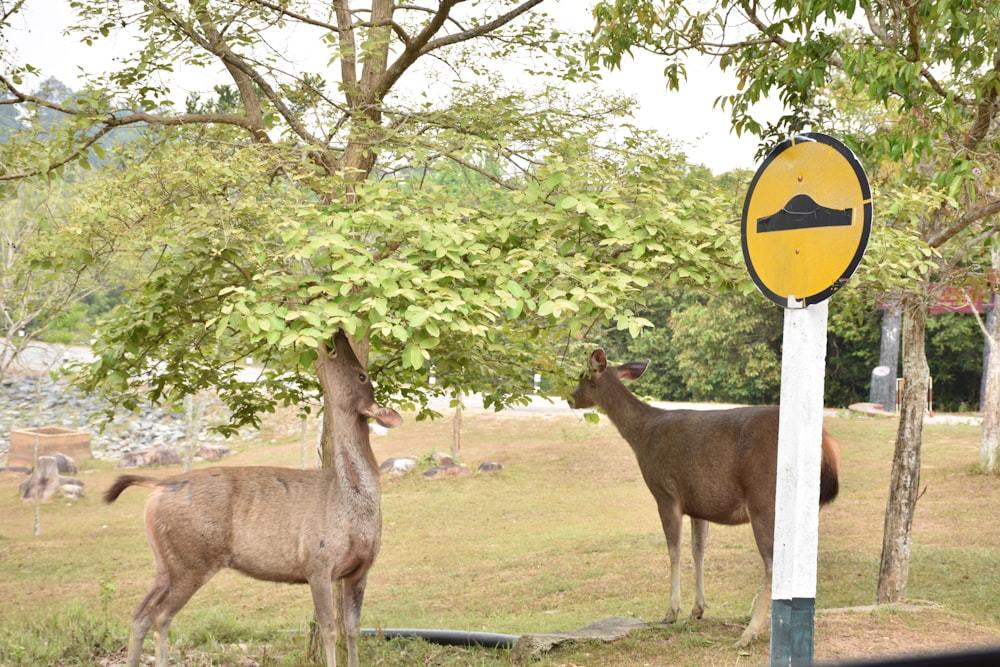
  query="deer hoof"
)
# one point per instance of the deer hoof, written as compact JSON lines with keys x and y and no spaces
{"x":745,"y":639}
{"x":671,"y":617}
{"x":697,"y":613}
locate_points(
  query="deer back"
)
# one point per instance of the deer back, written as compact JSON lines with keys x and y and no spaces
{"x":268,"y":522}
{"x":711,"y":461}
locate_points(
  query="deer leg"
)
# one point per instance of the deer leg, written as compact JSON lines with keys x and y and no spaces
{"x":763,"y":530}
{"x":181,"y":590}
{"x":699,"y":540}
{"x":671,"y":518}
{"x":761,"y":612}
{"x":142,"y":620}
{"x":354,"y":595}
{"x":167,"y":596}
{"x":321,"y":588}
{"x":140,"y":627}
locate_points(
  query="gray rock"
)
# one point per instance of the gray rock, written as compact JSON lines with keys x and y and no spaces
{"x":531,"y":647}
{"x":45,"y":481}
{"x":146,"y":458}
{"x":397,"y":467}
{"x":443,"y":471}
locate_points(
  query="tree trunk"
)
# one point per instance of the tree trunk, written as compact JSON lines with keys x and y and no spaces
{"x":988,"y":325}
{"x":990,"y":442}
{"x":194,"y":408}
{"x":326,"y":454}
{"x":905,"y":483}
{"x":990,"y":401}
{"x":883,"y":389}
{"x":304,"y":441}
{"x":456,"y":433}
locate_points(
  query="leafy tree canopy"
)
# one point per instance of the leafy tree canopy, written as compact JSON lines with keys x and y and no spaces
{"x":316,"y":193}
{"x":484,"y":283}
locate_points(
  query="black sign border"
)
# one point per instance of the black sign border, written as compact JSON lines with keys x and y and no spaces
{"x":866,"y":196}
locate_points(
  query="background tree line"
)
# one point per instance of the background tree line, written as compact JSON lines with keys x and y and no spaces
{"x":727,"y":349}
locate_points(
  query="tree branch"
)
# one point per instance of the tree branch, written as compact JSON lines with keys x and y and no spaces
{"x":987,"y":108}
{"x":251,"y":103}
{"x":422,"y":43}
{"x":237,"y":66}
{"x":7,"y":13}
{"x":348,"y":52}
{"x":938,"y":237}
{"x":302,"y":18}
{"x":105,"y":126}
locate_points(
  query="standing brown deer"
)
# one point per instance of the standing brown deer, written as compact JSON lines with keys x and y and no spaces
{"x":715,"y":466}
{"x":321,"y":527}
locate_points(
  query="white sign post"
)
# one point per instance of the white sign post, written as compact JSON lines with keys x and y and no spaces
{"x":806,"y":222}
{"x":796,"y":503}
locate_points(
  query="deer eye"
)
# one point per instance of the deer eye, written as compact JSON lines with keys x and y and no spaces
{"x":362,"y":377}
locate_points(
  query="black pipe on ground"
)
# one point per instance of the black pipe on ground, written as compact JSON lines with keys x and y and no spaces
{"x":445,"y":637}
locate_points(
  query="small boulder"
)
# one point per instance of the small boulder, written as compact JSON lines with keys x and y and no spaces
{"x":212,"y":452}
{"x":45,"y":481}
{"x":442,"y":459}
{"x":65,"y":464}
{"x":71,"y":488}
{"x":398,"y":467}
{"x":489,"y":466}
{"x":441,"y":472}
{"x":529,"y":648}
{"x":144,"y":458}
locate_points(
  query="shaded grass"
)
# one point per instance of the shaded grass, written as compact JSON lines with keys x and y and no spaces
{"x":565,"y":535}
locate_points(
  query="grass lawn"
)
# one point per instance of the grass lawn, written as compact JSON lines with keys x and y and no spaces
{"x":565,"y":535}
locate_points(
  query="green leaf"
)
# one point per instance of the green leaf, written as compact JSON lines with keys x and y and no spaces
{"x":413,"y":356}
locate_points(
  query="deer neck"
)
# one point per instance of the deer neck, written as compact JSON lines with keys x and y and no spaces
{"x":626,"y":411}
{"x":354,"y":463}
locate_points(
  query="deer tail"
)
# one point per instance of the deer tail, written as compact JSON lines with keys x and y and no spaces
{"x":829,"y":475}
{"x":123,"y":482}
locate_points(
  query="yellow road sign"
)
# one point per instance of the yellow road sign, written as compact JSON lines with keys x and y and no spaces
{"x":806,"y":220}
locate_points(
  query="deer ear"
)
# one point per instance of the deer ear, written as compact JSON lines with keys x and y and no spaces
{"x":598,"y":361}
{"x":385,"y":416}
{"x":633,"y":369}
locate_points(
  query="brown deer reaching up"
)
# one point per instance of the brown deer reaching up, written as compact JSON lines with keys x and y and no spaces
{"x":320,"y":527}
{"x":715,"y":466}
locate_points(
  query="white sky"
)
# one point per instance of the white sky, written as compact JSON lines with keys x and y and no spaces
{"x":687,"y":116}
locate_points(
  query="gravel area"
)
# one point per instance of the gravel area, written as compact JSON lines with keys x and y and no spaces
{"x":38,"y":401}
